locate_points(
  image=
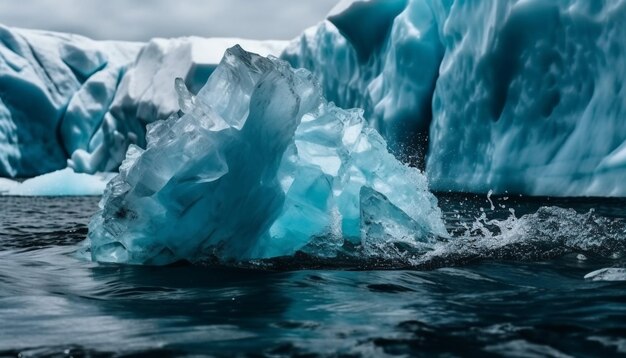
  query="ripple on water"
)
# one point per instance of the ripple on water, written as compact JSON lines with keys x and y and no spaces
{"x":493,"y":294}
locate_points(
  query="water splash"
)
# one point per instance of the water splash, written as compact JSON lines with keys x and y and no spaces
{"x":548,"y":233}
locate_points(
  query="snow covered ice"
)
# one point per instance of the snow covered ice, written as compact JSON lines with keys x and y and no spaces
{"x":260,"y":166}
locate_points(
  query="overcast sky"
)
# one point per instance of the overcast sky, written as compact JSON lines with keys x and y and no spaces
{"x":144,"y":19}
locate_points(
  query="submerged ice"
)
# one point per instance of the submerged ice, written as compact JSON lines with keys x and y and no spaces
{"x":261,"y":165}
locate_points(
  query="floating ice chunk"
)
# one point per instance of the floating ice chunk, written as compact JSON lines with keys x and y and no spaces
{"x":59,"y":183}
{"x":607,"y":274}
{"x":384,"y":226}
{"x":258,"y":166}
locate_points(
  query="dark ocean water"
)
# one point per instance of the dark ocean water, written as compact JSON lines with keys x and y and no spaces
{"x":474,"y":297}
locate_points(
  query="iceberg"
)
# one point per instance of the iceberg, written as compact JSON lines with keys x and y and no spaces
{"x":511,"y":96}
{"x":44,"y":76}
{"x":93,"y":98}
{"x":518,"y":96}
{"x":260,"y":165}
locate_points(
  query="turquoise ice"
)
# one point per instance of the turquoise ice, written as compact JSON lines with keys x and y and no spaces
{"x":259,"y":166}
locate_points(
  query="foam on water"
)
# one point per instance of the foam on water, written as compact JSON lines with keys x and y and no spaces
{"x":607,"y":274}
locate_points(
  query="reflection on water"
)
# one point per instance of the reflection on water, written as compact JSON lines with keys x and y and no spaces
{"x":52,"y":303}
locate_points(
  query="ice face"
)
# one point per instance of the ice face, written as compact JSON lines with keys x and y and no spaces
{"x":518,"y":96}
{"x":259,"y":166}
{"x":521,"y":96}
{"x":389,"y":69}
{"x":530,"y":99}
{"x":54,"y":89}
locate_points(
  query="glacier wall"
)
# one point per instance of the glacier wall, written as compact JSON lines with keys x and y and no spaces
{"x":261,"y":165}
{"x":388,"y":67}
{"x":46,"y":78}
{"x":530,"y":98}
{"x":519,"y":96}
{"x":68,"y":100}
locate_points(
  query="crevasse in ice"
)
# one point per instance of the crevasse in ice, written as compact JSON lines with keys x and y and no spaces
{"x":260,"y":165}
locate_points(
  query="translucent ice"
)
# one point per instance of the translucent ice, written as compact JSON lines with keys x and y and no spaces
{"x":607,"y":274}
{"x":259,"y":166}
{"x":144,"y":94}
{"x":388,"y":67}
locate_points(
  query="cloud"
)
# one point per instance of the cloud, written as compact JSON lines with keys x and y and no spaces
{"x":142,"y":20}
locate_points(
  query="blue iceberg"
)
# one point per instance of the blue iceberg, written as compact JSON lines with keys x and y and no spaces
{"x":92,"y":99}
{"x":260,"y":165}
{"x":530,"y":99}
{"x":510,"y":96}
{"x":54,"y":90}
{"x":517,"y":96}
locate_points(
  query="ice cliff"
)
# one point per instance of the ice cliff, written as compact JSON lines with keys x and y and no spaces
{"x":518,"y":96}
{"x":261,"y":165}
{"x":54,"y":89}
{"x":524,"y":96}
{"x":66,"y":99}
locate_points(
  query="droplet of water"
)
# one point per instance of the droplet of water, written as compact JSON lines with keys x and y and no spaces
{"x":489,"y":198}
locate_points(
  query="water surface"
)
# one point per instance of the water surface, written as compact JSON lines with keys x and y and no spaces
{"x":53,"y":304}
